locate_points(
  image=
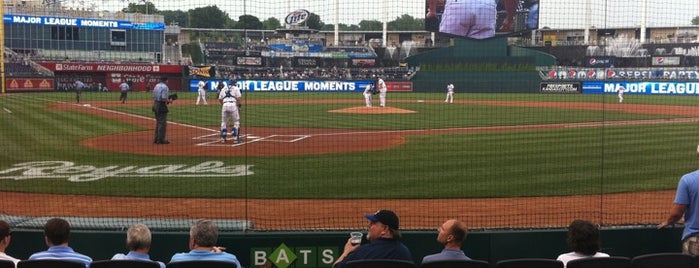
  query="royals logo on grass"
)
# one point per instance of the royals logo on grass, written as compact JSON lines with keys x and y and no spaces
{"x":85,"y":173}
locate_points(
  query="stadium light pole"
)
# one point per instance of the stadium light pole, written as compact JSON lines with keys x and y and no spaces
{"x":643,"y":21}
{"x":385,"y":23}
{"x":336,"y":33}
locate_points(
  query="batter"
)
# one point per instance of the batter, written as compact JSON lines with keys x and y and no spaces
{"x":230,"y":101}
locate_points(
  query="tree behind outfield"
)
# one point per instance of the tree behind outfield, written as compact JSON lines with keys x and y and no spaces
{"x":210,"y":17}
{"x":249,"y":22}
{"x":271,"y":24}
{"x":406,"y":23}
{"x":178,"y":17}
{"x":146,"y":8}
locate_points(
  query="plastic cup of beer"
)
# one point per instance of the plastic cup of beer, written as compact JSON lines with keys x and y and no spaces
{"x":356,"y":238}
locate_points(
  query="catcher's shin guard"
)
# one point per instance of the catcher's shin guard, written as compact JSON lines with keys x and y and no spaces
{"x":236,"y":133}
{"x":223,"y":134}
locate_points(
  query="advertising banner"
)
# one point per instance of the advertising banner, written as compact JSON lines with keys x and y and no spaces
{"x":305,"y":62}
{"x":106,"y":67}
{"x":560,"y":87}
{"x":646,"y":88}
{"x":399,"y":86}
{"x":665,"y":61}
{"x":303,"y":85}
{"x":254,"y":61}
{"x":599,"y":62}
{"x":29,"y":84}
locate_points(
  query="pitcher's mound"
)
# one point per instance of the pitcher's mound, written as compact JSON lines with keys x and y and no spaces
{"x":372,"y":110}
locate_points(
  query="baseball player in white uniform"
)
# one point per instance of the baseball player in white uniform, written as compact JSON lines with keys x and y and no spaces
{"x":367,"y":95}
{"x":450,"y":93}
{"x":202,"y":92}
{"x":620,"y":92}
{"x":382,"y":92}
{"x":230,"y":101}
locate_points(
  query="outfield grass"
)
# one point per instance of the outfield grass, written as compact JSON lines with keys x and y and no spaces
{"x":538,"y":162}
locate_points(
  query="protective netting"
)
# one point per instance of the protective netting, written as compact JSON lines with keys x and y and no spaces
{"x":506,"y":152}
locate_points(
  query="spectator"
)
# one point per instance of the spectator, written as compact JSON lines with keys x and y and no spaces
{"x":384,"y":243}
{"x":5,"y":237}
{"x":56,"y":234}
{"x":202,"y":241}
{"x":451,"y":234}
{"x":686,"y":201}
{"x":583,"y":239}
{"x":138,"y":241}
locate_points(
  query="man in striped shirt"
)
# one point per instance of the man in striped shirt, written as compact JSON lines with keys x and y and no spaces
{"x":56,"y":234}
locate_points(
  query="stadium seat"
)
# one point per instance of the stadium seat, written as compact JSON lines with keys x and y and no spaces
{"x":7,"y":264}
{"x":529,"y":263}
{"x":603,"y":262}
{"x":49,"y":263}
{"x":124,"y":264}
{"x":661,"y":260}
{"x":380,"y":264}
{"x":456,"y":264}
{"x":201,"y":264}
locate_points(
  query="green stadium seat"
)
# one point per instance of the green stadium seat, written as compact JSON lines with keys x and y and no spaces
{"x":660,"y":260}
{"x":124,"y":264}
{"x":380,"y":263}
{"x":456,"y":264}
{"x":49,"y":263}
{"x":529,"y":263}
{"x":603,"y":262}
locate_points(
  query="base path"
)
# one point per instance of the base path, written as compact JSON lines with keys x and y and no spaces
{"x":625,"y":208}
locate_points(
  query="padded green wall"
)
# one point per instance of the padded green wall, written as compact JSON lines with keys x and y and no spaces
{"x":491,"y":246}
{"x":474,"y":53}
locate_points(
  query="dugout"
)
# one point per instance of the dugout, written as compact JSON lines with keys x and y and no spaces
{"x":489,"y":66}
{"x":315,"y":248}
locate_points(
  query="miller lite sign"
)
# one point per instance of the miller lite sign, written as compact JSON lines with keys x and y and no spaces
{"x":297,"y":17}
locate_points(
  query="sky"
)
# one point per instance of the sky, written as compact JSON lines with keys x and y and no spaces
{"x":561,"y":14}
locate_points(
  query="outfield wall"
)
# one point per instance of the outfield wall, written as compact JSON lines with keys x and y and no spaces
{"x":319,"y":249}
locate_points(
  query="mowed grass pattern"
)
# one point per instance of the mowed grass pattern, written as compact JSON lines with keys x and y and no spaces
{"x":528,"y":162}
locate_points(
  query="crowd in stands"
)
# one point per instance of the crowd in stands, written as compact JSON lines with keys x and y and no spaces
{"x":383,"y":235}
{"x":334,"y":73}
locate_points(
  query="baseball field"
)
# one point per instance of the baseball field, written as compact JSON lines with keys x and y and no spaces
{"x":321,"y":160}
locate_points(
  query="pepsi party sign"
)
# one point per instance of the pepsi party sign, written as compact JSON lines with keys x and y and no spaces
{"x":297,"y":17}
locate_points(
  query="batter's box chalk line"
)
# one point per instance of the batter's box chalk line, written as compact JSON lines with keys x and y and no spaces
{"x":215,"y":139}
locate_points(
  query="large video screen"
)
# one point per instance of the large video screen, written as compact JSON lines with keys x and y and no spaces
{"x":481,"y":19}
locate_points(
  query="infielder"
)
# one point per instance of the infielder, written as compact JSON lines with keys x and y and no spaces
{"x":202,"y":92}
{"x":79,"y":87}
{"x":620,"y":92}
{"x":450,"y":93}
{"x":382,"y":92}
{"x":367,"y":95}
{"x":230,"y":101}
{"x":124,"y":88}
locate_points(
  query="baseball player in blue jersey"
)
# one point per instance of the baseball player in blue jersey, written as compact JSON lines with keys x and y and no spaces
{"x":230,"y":101}
{"x":367,"y":95}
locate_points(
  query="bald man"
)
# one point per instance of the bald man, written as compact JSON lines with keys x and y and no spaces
{"x":451,"y":234}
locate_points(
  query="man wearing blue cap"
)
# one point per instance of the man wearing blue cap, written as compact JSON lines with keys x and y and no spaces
{"x":383,"y":235}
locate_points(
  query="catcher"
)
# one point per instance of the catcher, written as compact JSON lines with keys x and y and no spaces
{"x":229,"y":97}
